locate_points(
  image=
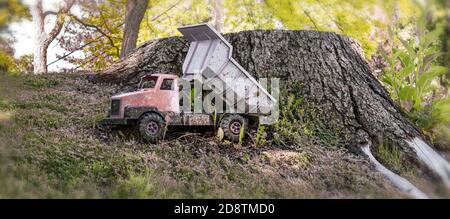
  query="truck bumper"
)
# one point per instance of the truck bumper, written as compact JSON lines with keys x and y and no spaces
{"x":114,"y":121}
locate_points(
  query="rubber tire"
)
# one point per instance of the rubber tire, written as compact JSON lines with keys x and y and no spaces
{"x":143,"y":131}
{"x":227,"y":121}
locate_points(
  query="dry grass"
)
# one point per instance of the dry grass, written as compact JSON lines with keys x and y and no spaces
{"x":51,"y":148}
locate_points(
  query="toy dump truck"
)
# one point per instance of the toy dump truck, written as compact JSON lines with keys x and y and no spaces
{"x":161,"y":99}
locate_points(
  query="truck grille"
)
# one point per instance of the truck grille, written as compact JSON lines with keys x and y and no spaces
{"x":115,"y":107}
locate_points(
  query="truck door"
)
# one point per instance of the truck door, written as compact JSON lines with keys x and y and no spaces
{"x":169,"y":95}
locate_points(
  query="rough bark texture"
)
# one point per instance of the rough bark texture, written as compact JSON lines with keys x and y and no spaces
{"x":44,"y":39}
{"x":135,"y":10}
{"x":40,"y":53}
{"x":325,"y":68}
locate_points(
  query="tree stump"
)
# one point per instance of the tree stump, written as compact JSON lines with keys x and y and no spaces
{"x":327,"y":69}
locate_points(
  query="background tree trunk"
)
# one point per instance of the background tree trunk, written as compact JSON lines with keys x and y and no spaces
{"x":40,"y":51}
{"x":44,"y":39}
{"x":218,"y":15}
{"x":327,"y":69}
{"x":135,"y":10}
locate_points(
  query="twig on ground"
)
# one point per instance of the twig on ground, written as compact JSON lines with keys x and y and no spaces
{"x":187,"y":135}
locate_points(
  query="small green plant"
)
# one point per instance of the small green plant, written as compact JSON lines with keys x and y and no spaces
{"x":136,"y":186}
{"x":5,"y":105}
{"x":6,"y":62}
{"x":391,"y":156}
{"x":241,"y":134}
{"x":13,"y":66}
{"x":413,"y":73}
{"x":215,"y":119}
{"x":260,"y":140}
{"x":303,"y":159}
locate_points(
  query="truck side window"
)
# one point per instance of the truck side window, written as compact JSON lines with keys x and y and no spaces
{"x":148,"y":82}
{"x":167,"y":84}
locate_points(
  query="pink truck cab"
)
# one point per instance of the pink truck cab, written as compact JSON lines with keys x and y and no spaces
{"x":158,"y":91}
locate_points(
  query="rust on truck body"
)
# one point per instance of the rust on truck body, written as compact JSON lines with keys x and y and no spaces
{"x":164,"y":99}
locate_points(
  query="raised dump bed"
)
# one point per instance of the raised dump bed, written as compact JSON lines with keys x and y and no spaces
{"x":209,"y":58}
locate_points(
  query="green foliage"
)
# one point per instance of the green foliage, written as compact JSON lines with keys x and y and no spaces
{"x":260,"y":135}
{"x":241,"y":134}
{"x":413,"y":73}
{"x":433,"y":115}
{"x":215,"y":119}
{"x":290,"y":13}
{"x":5,"y":105}
{"x":164,"y":16}
{"x":98,"y":35}
{"x":441,"y":136}
{"x":136,"y":186}
{"x":23,"y":64}
{"x":346,"y":17}
{"x":6,"y":62}
{"x":392,"y":157}
{"x":10,"y":11}
{"x":15,"y":66}
{"x":101,"y":34}
{"x":246,"y":15}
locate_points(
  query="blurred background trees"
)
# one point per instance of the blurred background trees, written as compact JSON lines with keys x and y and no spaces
{"x":406,"y":42}
{"x":10,"y":11}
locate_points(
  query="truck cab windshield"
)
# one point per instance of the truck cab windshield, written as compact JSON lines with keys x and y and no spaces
{"x":148,"y":82}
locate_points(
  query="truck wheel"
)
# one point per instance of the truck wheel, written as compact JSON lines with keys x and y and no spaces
{"x":231,"y":126}
{"x":152,"y":127}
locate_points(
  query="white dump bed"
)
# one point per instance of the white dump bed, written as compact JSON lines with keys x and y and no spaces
{"x":209,"y":57}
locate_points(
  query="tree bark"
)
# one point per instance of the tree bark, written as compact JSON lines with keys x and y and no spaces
{"x":135,"y":10}
{"x":40,"y":52}
{"x":327,"y":69}
{"x":44,"y":39}
{"x":218,"y":15}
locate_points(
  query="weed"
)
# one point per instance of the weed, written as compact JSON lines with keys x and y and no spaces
{"x":412,"y":73}
{"x":5,"y":105}
{"x":303,"y":159}
{"x":241,"y":134}
{"x":392,"y":157}
{"x":135,"y":186}
{"x":260,"y":135}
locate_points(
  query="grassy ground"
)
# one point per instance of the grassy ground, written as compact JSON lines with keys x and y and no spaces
{"x":51,"y":148}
